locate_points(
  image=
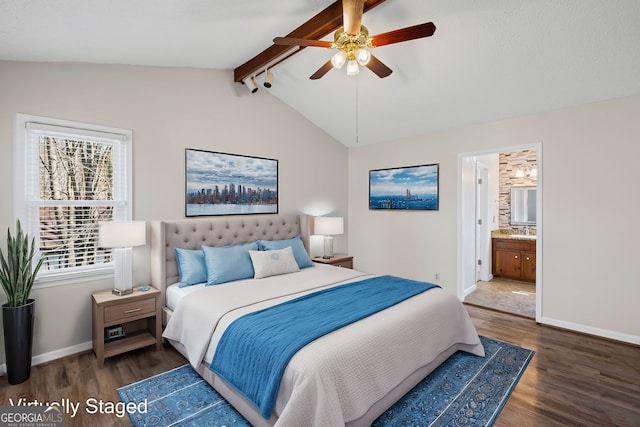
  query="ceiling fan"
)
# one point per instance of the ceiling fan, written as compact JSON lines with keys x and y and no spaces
{"x":352,"y":41}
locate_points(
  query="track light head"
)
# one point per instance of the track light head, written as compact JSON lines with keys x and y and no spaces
{"x":268,"y":79}
{"x":251,"y":85}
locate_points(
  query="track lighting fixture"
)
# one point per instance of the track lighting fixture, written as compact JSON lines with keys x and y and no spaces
{"x":268,"y":78}
{"x":251,"y":84}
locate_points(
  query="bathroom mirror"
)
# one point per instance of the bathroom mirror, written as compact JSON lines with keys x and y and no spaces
{"x":523,"y":205}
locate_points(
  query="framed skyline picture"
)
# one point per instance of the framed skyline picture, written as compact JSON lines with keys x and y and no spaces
{"x":404,"y":188}
{"x":229,"y":184}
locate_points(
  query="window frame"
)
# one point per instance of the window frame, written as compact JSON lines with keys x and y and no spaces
{"x":20,"y":199}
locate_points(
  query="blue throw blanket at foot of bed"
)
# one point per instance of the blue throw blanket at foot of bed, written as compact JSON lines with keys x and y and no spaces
{"x":256,"y":348}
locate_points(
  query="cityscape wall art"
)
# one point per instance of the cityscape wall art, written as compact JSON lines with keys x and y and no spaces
{"x":404,"y":188}
{"x":229,"y":184}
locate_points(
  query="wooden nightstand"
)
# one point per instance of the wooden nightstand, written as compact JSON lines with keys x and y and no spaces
{"x":139,"y":315}
{"x":345,"y":261}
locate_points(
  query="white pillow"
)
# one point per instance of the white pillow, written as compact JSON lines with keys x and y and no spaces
{"x":274,"y":262}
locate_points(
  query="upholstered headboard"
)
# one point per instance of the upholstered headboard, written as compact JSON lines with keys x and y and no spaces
{"x":215,"y":231}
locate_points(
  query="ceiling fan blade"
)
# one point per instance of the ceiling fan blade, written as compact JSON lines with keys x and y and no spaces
{"x":404,"y":34}
{"x":352,"y":11}
{"x":292,"y":41}
{"x":378,"y":67}
{"x":322,"y":71}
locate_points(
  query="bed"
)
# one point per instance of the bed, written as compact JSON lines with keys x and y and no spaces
{"x":347,"y":377}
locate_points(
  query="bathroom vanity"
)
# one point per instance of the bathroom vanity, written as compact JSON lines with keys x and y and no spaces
{"x":514,"y":257}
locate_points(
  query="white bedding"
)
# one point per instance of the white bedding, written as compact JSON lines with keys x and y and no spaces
{"x":338,"y":377}
{"x":175,"y":293}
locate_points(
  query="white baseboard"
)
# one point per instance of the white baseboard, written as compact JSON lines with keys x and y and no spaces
{"x":53,"y":355}
{"x":590,"y":330}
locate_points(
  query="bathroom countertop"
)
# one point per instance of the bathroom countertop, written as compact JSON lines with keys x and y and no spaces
{"x":500,"y":234}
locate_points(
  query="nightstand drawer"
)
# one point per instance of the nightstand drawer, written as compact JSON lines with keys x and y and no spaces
{"x":344,"y":264}
{"x":344,"y":261}
{"x":122,"y":312}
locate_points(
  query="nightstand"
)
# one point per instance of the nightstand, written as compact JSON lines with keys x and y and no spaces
{"x":345,"y":261}
{"x":125,"y":323}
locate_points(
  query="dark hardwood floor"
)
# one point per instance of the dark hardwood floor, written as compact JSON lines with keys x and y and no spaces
{"x":78,"y":378}
{"x":573,"y":379}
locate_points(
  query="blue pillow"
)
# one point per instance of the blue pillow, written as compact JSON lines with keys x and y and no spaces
{"x":299,"y":252}
{"x":191,"y":267}
{"x":228,"y":263}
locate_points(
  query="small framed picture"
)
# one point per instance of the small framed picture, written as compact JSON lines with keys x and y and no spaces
{"x":404,"y":188}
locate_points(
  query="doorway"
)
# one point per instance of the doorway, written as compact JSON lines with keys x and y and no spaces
{"x":482,"y":210}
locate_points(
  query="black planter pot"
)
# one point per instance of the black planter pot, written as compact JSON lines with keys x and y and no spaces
{"x":18,"y":340}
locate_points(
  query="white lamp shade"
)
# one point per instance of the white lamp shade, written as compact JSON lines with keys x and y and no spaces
{"x":352,"y":67}
{"x":339,"y":59}
{"x":329,"y":225}
{"x":363,"y":56}
{"x":122,"y":234}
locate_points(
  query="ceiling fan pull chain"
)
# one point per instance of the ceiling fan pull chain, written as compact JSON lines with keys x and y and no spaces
{"x":357,"y":115}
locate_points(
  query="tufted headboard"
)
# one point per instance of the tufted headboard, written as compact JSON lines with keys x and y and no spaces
{"x":215,"y":231}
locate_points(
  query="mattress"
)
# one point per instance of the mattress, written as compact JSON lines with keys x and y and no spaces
{"x":339,"y":377}
{"x":175,"y":293}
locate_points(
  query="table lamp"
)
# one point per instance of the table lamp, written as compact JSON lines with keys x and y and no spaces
{"x":328,"y":226}
{"x":122,"y":236}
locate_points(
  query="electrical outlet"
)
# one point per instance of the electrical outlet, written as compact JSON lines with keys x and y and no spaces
{"x":436,"y":276}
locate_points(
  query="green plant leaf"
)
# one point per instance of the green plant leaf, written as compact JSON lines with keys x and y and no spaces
{"x":17,"y":273}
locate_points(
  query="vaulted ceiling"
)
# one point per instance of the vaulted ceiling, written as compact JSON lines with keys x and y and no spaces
{"x":488,"y":60}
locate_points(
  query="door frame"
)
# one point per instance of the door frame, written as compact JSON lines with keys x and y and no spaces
{"x":483,"y":247}
{"x":466,"y":235}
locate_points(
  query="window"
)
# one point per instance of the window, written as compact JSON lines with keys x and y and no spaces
{"x":69,"y":177}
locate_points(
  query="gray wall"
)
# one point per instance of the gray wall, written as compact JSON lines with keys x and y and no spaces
{"x":168,"y":109}
{"x":591,"y":268}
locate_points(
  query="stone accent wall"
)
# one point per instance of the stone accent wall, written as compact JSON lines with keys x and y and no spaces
{"x":509,"y":164}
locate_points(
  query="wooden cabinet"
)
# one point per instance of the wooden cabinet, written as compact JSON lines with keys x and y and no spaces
{"x":514,"y":259}
{"x":136,"y":315}
{"x":344,"y":261}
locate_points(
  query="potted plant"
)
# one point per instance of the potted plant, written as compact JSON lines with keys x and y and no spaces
{"x":17,"y":275}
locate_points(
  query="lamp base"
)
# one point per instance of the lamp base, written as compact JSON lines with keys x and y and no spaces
{"x":122,"y":292}
{"x":328,"y":247}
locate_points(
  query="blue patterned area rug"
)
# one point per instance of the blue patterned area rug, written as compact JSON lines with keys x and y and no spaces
{"x":465,"y":390}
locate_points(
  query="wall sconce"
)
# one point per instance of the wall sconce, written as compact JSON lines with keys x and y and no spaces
{"x":122,"y":236}
{"x":268,"y":79}
{"x":528,"y":172}
{"x":251,"y":85}
{"x":328,"y":226}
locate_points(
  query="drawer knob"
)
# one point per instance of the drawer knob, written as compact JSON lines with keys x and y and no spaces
{"x":516,"y":257}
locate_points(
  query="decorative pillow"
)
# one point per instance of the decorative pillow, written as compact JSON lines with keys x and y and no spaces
{"x":272,"y":263}
{"x":299,"y":252}
{"x":191,"y":267}
{"x":228,"y":263}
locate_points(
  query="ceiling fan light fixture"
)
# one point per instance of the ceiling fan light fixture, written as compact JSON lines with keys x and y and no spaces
{"x":363,"y":56}
{"x":352,"y":67}
{"x":339,"y":59}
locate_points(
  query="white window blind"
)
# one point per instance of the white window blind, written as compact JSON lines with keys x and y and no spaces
{"x":74,"y":178}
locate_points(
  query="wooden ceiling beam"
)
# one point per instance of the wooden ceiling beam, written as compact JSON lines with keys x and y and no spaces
{"x":325,"y":22}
